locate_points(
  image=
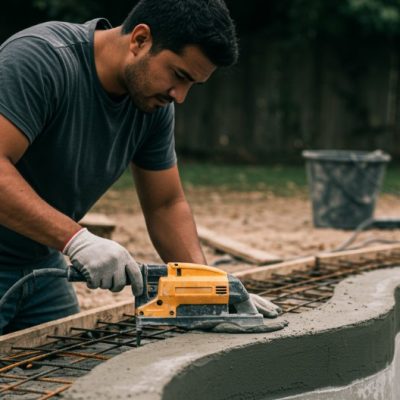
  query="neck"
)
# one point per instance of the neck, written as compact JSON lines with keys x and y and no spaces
{"x":109,"y":50}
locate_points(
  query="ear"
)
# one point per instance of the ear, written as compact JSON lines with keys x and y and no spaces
{"x":141,"y":39}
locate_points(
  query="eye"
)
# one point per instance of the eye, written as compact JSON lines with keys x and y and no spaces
{"x":179,"y":76}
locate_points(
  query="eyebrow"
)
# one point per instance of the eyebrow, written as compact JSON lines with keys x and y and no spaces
{"x":186,"y":74}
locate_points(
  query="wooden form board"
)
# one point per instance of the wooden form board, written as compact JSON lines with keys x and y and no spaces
{"x":37,"y":335}
{"x":355,"y":255}
{"x":99,"y":224}
{"x":98,"y":219}
{"x":265,"y":272}
{"x":236,"y":249}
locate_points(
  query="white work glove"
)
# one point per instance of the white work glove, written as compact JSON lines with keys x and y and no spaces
{"x":104,"y":263}
{"x":264,"y":306}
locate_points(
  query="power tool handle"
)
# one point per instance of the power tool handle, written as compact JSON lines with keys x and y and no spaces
{"x":74,"y":275}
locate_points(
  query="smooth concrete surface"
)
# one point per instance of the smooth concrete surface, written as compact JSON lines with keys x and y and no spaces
{"x":350,"y":338}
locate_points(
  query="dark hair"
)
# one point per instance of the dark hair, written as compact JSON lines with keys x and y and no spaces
{"x":175,"y":24}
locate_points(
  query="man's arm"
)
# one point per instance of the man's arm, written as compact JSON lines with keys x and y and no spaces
{"x":21,"y":209}
{"x":103,"y":262}
{"x":168,"y":216}
{"x":171,"y":226}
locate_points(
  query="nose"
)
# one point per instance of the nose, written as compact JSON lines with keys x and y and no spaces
{"x":179,"y":93}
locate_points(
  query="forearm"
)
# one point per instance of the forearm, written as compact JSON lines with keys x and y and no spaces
{"x":24,"y":212}
{"x":173,"y":232}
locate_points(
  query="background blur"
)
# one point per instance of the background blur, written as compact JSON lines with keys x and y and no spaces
{"x":312,"y":74}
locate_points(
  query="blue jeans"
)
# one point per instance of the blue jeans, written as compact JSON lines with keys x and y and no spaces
{"x":39,"y":300}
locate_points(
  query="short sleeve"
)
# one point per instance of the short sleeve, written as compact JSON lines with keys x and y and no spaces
{"x":29,"y":83}
{"x":158,"y":149}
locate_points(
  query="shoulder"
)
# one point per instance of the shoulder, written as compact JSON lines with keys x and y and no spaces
{"x":56,"y":34}
{"x":54,"y":47}
{"x":27,"y":54}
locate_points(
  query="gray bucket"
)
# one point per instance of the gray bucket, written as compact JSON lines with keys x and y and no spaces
{"x":344,"y":185}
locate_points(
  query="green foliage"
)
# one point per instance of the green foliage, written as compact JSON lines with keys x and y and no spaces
{"x":391,"y":183}
{"x":278,"y":179}
{"x":69,"y":10}
{"x":293,"y":19}
{"x":349,"y":17}
{"x":284,"y":180}
{"x":380,"y":16}
{"x":308,"y":19}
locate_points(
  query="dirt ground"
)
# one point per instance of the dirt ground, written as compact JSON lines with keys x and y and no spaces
{"x":278,"y":225}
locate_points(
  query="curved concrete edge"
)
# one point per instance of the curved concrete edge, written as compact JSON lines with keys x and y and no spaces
{"x":350,"y":337}
{"x":384,"y":385}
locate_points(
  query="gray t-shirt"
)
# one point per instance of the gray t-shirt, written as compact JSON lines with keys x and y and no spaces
{"x":81,"y":139}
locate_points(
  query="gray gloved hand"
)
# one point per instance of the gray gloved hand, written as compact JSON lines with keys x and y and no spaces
{"x":104,"y":263}
{"x":264,"y":306}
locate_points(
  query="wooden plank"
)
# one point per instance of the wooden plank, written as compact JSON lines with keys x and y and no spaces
{"x":236,"y":249}
{"x":265,"y":272}
{"x":356,"y":255}
{"x":98,"y":224}
{"x":37,"y":335}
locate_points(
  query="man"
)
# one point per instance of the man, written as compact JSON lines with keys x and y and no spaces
{"x":78,"y":104}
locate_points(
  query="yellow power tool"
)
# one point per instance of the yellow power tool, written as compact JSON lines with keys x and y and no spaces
{"x":193,"y":296}
{"x":189,"y":296}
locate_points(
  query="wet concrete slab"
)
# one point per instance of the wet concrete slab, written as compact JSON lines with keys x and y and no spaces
{"x":347,"y":339}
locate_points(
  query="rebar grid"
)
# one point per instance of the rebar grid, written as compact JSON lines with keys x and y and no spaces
{"x":45,"y":371}
{"x":303,"y":290}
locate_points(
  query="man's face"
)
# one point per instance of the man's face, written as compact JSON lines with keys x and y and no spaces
{"x":155,"y":80}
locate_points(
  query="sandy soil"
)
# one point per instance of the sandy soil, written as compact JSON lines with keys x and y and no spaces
{"x":279,"y":225}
